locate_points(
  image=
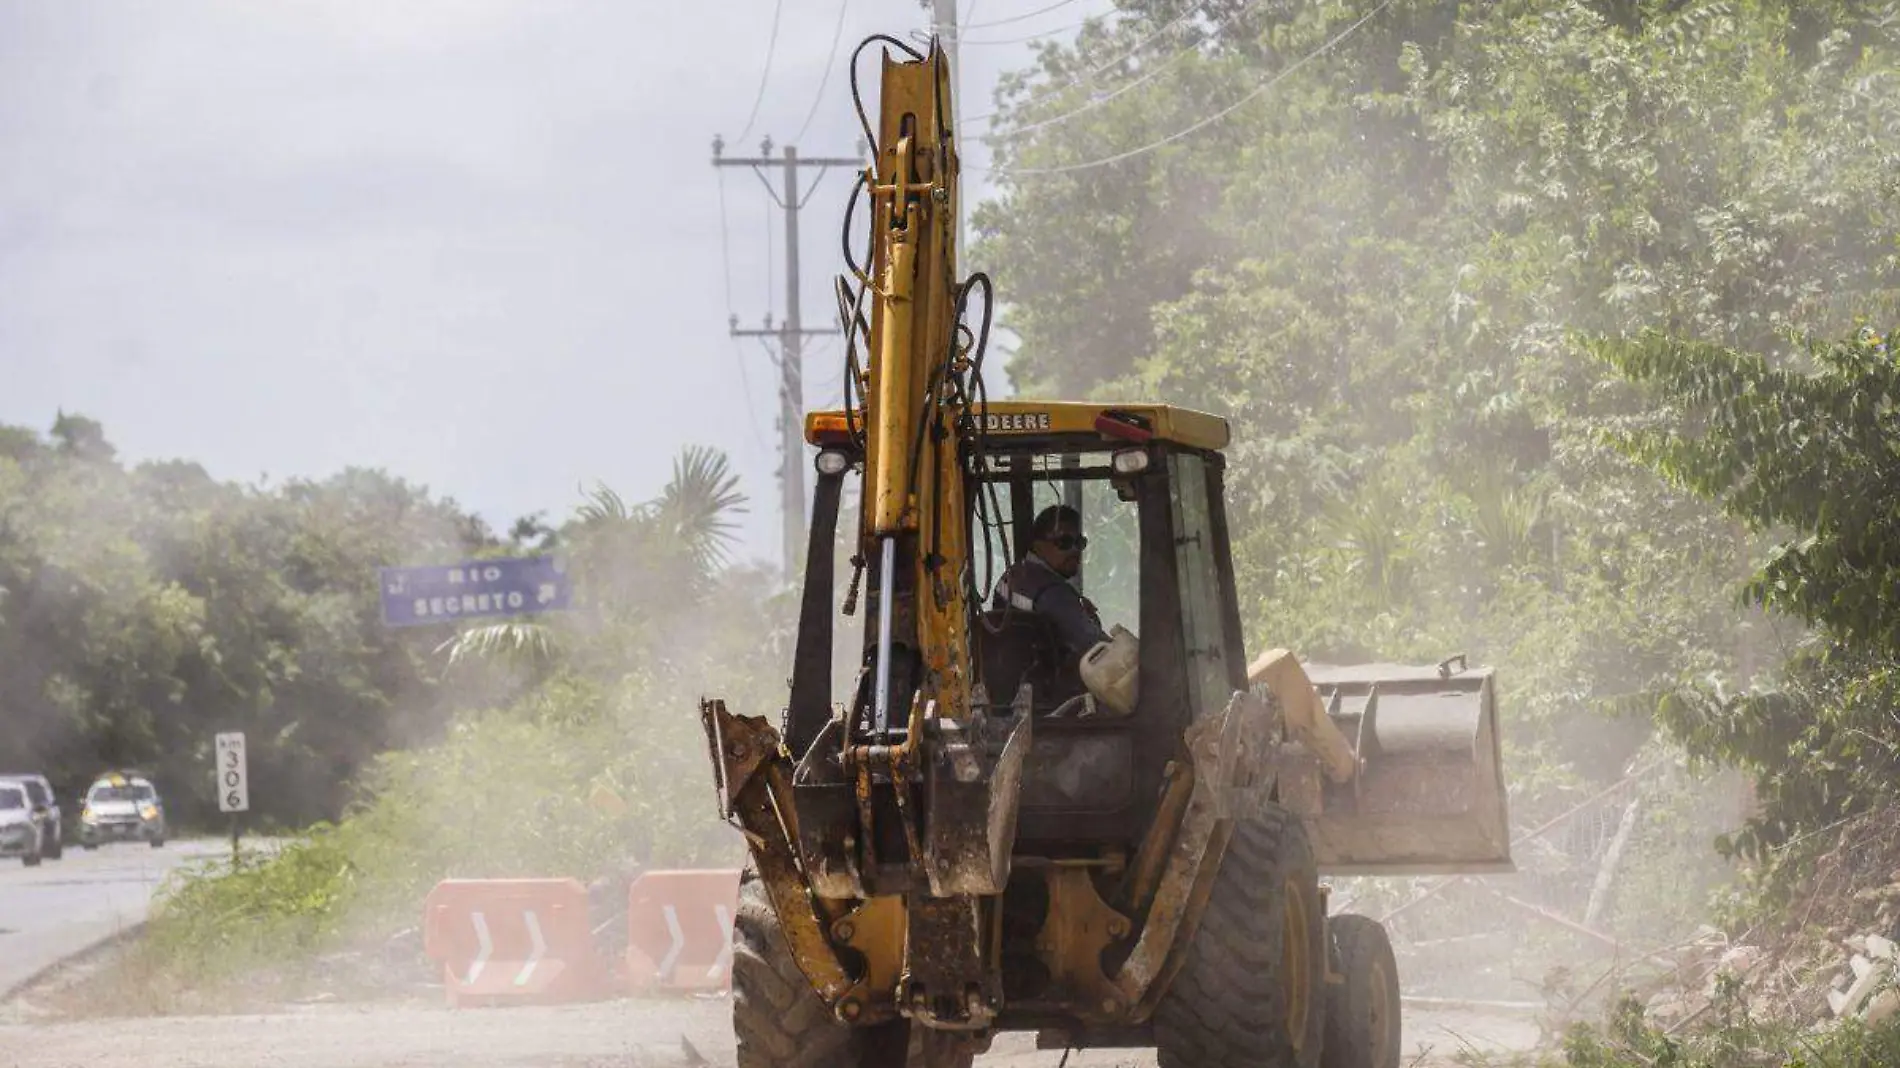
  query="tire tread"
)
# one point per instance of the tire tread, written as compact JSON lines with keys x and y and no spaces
{"x":1223,"y":1009}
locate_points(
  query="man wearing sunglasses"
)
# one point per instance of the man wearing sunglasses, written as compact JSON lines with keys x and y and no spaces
{"x":1041,"y":583}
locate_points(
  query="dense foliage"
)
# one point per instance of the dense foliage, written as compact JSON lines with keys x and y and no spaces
{"x":1380,"y":237}
{"x":594,"y":768}
{"x":1813,"y":448}
{"x":1805,"y":446}
{"x":144,"y":609}
{"x":1379,"y":264}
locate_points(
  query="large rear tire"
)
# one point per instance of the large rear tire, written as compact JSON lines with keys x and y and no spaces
{"x":781,"y":1023}
{"x":1362,"y":1011}
{"x":1250,"y":993}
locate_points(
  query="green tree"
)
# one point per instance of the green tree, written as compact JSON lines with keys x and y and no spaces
{"x":1376,"y":264}
{"x":1805,"y":449}
{"x":147,"y":609}
{"x":1812,"y":449}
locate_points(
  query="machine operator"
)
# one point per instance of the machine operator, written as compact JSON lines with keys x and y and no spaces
{"x":1096,"y":666}
{"x":1042,"y":582}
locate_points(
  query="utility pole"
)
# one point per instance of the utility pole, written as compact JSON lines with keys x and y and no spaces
{"x":944,"y":17}
{"x":944,"y":24}
{"x":791,"y":334}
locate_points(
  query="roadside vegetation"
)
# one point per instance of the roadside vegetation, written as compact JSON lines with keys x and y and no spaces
{"x":145,"y":608}
{"x":595,"y":770}
{"x":1511,"y":304}
{"x":1733,"y":1039}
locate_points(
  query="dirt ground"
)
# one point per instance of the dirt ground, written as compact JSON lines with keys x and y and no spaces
{"x":620,"y":1034}
{"x":91,"y":1014}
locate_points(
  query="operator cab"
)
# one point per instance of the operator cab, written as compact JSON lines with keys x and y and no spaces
{"x":1016,"y":644}
{"x":1146,"y":481}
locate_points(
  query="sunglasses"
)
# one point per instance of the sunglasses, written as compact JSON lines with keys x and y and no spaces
{"x":1066,"y":542}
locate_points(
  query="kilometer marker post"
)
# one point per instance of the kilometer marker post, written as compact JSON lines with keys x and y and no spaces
{"x":233,"y":778}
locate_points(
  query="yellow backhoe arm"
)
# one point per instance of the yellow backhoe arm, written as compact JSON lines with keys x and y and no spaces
{"x":917,"y":402}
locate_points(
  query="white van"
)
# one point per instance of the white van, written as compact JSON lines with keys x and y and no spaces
{"x":39,"y":795}
{"x":20,"y":828}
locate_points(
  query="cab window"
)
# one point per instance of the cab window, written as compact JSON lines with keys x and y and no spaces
{"x":1012,"y":490}
{"x":11,"y":799}
{"x":1202,"y":631}
{"x":1110,"y":575}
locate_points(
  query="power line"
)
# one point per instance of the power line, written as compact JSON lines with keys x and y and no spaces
{"x":725,"y":242}
{"x":1026,"y":38}
{"x":789,"y":331}
{"x":828,"y":389}
{"x":1127,"y":54}
{"x":923,"y":36}
{"x":1136,"y":47}
{"x":725,"y":256}
{"x":765,"y":76}
{"x":771,"y":357}
{"x":745,"y":385}
{"x":1257,"y":92}
{"x":1094,"y":102}
{"x":837,"y":34}
{"x":1026,"y":16}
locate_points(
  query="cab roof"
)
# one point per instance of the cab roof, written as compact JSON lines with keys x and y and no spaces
{"x":1113,"y":423}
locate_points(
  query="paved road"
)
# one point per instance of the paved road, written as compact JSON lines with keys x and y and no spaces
{"x":66,"y":906}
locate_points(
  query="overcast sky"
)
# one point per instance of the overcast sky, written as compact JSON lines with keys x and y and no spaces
{"x":475,"y":243}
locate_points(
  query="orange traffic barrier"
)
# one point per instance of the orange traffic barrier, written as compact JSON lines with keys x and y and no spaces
{"x":679,"y":929}
{"x":512,"y":940}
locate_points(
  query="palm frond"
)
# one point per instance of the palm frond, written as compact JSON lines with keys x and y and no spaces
{"x":604,"y":505}
{"x":513,"y":639}
{"x":1505,"y":515}
{"x":698,"y":504}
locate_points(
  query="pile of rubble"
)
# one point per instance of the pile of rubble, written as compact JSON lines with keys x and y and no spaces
{"x":1870,"y":994}
{"x":1855,"y":977}
{"x":1834,"y":956}
{"x":1709,"y":969}
{"x":1865,"y":986}
{"x":1847,"y":975}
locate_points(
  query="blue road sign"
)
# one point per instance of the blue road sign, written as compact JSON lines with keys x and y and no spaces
{"x":473,"y":589}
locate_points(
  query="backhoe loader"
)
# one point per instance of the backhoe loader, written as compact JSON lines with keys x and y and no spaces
{"x":981,"y":837}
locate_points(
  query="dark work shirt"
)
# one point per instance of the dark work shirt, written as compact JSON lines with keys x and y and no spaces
{"x":1032,"y":585}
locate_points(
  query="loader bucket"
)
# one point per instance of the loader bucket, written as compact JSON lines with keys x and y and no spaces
{"x":1428,"y":795}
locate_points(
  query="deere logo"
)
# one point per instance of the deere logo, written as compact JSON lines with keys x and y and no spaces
{"x":1016,"y":421}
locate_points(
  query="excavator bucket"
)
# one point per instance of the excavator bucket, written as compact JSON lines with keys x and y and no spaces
{"x":1423,"y":793}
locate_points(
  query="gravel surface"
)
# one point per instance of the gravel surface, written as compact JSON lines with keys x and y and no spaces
{"x":622,"y":1034}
